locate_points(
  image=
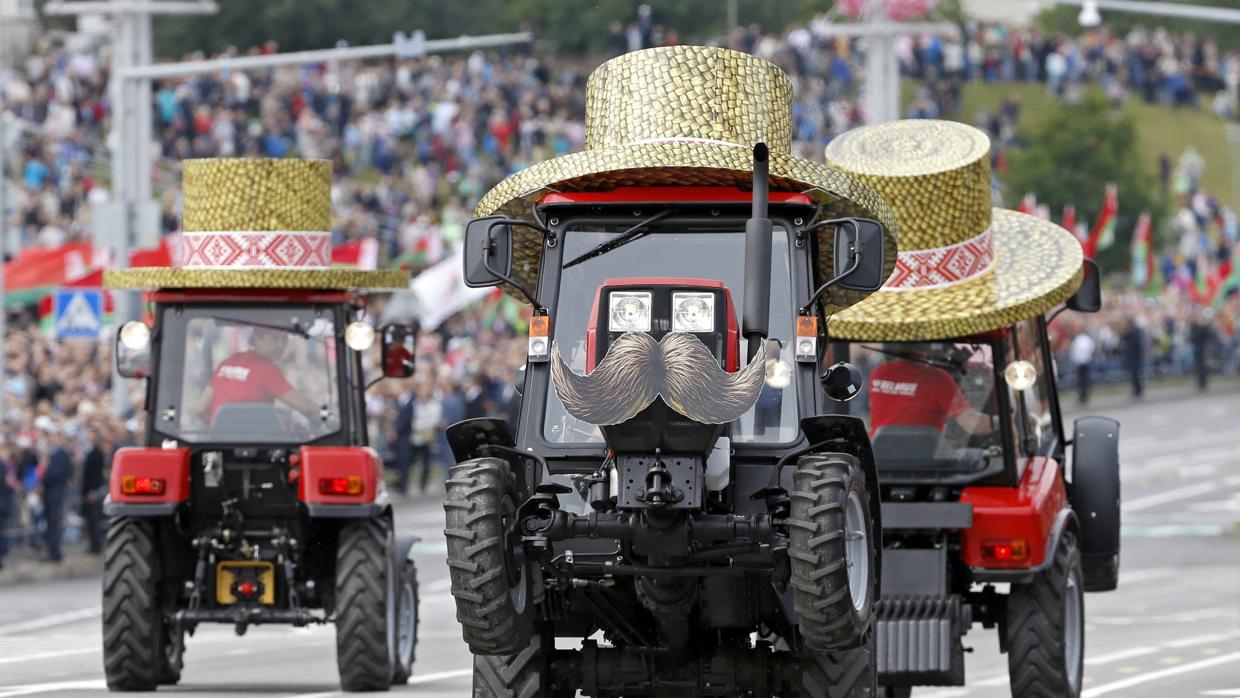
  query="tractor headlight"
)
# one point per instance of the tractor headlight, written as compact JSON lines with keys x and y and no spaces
{"x":778,"y":374}
{"x":629,"y":311}
{"x":693,"y":312}
{"x":1020,"y":375}
{"x":360,"y":336}
{"x":135,"y":335}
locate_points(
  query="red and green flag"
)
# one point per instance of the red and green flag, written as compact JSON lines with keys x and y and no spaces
{"x":1143,"y":252}
{"x":1103,"y":234}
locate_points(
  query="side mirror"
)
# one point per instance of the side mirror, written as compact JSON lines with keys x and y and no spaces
{"x":488,"y":252}
{"x":859,"y":254}
{"x":842,"y":381}
{"x":133,"y":349}
{"x":398,"y":351}
{"x":1088,"y":298}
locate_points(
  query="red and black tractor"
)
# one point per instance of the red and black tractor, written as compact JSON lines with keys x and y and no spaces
{"x":242,"y":509}
{"x":1005,"y":527}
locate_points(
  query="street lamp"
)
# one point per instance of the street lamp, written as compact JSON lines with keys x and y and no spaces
{"x":1089,"y":16}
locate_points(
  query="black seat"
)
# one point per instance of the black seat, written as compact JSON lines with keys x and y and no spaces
{"x":238,"y":421}
{"x":915,"y":447}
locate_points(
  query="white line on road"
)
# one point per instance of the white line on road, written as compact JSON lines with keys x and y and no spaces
{"x":32,"y":689}
{"x":1176,"y":495}
{"x":49,"y":621}
{"x":424,"y":678}
{"x":48,"y":655}
{"x":1183,"y":617}
{"x":1153,"y":675}
{"x":1119,"y":656}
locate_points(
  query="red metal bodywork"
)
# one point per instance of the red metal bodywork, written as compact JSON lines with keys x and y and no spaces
{"x":1027,"y":512}
{"x":731,"y":341}
{"x":250,"y":295}
{"x":168,"y":464}
{"x":318,"y":462}
{"x":684,"y":195}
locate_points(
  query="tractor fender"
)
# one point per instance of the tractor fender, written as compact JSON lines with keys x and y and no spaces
{"x":848,"y":434}
{"x":470,"y":439}
{"x":1095,"y":495}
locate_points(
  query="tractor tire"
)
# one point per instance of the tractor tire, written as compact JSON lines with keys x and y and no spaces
{"x":490,"y":580}
{"x":525,"y":674}
{"x":1045,"y":628}
{"x":174,"y":657}
{"x":134,"y":632}
{"x":363,"y":566}
{"x":407,"y":620}
{"x":831,"y":552}
{"x":843,"y":674}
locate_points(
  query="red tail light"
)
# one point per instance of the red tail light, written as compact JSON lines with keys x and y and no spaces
{"x":341,"y":485}
{"x":131,"y":484}
{"x":1005,"y":550}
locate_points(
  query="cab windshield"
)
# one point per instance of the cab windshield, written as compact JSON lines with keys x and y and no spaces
{"x":930,"y":407}
{"x":672,"y":252}
{"x":248,"y":375}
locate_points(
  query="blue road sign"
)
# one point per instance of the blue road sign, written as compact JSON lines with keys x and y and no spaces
{"x":79,"y":313}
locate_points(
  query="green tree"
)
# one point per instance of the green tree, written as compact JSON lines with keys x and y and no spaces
{"x":1071,"y":156}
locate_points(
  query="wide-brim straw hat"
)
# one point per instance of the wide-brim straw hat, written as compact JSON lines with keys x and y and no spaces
{"x":964,"y":267}
{"x":686,"y":115}
{"x":256,"y":223}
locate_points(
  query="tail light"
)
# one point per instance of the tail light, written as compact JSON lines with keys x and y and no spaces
{"x":1013,"y":550}
{"x":132,"y":484}
{"x":351,"y":485}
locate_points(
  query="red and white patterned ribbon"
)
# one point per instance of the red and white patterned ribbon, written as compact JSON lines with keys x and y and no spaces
{"x":918,"y":270}
{"x":258,"y":249}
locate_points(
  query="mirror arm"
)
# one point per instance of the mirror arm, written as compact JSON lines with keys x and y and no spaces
{"x":823,"y":288}
{"x":486,"y":260}
{"x":1056,"y":314}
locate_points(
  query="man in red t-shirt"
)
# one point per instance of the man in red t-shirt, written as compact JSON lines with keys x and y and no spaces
{"x":907,"y":392}
{"x":253,"y":376}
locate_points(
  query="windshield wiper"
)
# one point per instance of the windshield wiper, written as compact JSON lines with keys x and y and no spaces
{"x":295,"y":329}
{"x":624,"y":238}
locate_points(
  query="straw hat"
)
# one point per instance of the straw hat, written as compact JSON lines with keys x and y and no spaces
{"x":685,"y":115}
{"x":255,"y":223}
{"x":964,"y":267}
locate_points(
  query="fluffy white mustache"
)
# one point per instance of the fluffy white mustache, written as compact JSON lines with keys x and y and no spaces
{"x":636,"y":370}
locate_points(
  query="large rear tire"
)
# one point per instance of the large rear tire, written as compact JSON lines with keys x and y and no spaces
{"x":490,"y":578}
{"x":134,"y":634}
{"x":842,"y":674}
{"x":407,"y":620}
{"x":363,"y":566}
{"x":831,"y":550}
{"x":525,"y":674}
{"x":1045,"y":628}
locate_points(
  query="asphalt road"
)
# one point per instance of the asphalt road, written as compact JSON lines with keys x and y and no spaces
{"x":1171,"y":630}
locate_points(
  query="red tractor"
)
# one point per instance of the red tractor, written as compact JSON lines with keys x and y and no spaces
{"x":254,"y":497}
{"x":960,"y":398}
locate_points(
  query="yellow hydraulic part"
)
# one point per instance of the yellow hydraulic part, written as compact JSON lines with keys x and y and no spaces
{"x":226,"y":574}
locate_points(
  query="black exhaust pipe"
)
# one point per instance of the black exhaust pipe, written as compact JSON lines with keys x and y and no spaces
{"x":757,"y":312}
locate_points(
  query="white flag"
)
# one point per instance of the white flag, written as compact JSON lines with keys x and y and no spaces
{"x":441,"y":291}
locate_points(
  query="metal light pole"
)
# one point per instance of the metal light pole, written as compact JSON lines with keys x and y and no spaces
{"x":6,"y":123}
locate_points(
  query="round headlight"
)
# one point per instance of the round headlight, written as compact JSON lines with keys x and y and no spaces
{"x":135,"y":335}
{"x":1020,"y":375}
{"x":778,"y":374}
{"x":359,"y":336}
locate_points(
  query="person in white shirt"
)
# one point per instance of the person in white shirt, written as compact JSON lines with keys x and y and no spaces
{"x":1081,"y":354}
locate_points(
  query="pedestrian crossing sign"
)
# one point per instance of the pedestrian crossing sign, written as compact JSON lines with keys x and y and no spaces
{"x":79,"y":313}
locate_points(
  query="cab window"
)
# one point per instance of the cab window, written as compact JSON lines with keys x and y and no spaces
{"x":1032,"y":404}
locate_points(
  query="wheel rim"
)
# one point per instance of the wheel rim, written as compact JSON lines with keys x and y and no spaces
{"x":406,"y":621}
{"x":856,"y":551}
{"x":1072,"y":631}
{"x":515,"y":557}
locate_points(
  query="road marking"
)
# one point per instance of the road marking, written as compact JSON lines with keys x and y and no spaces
{"x":52,"y":620}
{"x":1177,"y":494}
{"x":1119,"y":656}
{"x":1200,"y":640}
{"x":1172,"y":530}
{"x":439,"y":676}
{"x":31,"y":689}
{"x":49,"y":655}
{"x":1223,"y":692}
{"x":1184,"y":617}
{"x":1153,"y":675}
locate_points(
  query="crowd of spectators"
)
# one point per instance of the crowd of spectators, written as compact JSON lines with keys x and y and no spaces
{"x":416,"y":141}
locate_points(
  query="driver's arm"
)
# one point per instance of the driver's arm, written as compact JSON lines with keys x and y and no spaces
{"x":301,"y":403}
{"x":201,"y":406}
{"x":972,"y":421}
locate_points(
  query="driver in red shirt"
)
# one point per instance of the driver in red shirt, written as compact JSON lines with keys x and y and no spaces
{"x":253,"y":376}
{"x":910,"y":392}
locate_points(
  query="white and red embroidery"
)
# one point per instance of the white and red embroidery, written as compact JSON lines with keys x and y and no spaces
{"x":918,"y":270}
{"x":257,"y":249}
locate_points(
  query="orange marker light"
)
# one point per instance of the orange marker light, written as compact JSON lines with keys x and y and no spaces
{"x":806,"y":347}
{"x":351,"y":485}
{"x":540,"y":338}
{"x":141,"y":485}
